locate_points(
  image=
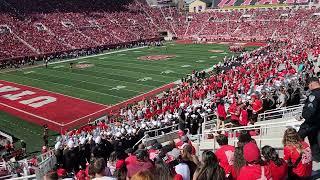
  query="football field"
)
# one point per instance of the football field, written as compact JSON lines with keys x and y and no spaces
{"x":65,"y":97}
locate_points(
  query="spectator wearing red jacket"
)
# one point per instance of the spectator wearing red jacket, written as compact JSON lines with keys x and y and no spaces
{"x":255,"y":169}
{"x":278,"y":167}
{"x":221,"y":113}
{"x":256,"y":107}
{"x":244,"y":120}
{"x":234,"y":110}
{"x":225,"y":154}
{"x":298,"y":155}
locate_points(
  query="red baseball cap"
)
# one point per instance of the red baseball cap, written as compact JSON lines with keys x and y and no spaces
{"x":251,"y":152}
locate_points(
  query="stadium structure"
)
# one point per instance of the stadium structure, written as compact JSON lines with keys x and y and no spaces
{"x":136,"y":71}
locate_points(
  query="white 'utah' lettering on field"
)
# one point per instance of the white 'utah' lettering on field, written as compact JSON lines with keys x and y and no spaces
{"x":35,"y":102}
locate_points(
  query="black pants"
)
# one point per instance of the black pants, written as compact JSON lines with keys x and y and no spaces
{"x":313,"y":135}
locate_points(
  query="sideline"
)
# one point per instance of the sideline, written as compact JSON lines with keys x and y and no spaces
{"x":73,"y":59}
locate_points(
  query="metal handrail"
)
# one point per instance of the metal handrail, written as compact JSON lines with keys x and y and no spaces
{"x":263,"y":130}
{"x":280,"y":113}
{"x":249,"y":127}
{"x":141,"y":140}
{"x":156,"y":131}
{"x":288,"y":107}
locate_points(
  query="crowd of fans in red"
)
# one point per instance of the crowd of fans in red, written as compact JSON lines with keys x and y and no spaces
{"x":241,"y":87}
{"x":61,"y":26}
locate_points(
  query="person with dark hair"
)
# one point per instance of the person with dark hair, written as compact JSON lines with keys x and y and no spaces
{"x":142,"y":163}
{"x":185,"y":140}
{"x":162,"y":170}
{"x":121,"y":172}
{"x":298,"y":155}
{"x":238,"y":163}
{"x":100,"y":169}
{"x":254,"y":168}
{"x":221,"y":113}
{"x":112,"y":161}
{"x":244,"y":138}
{"x":278,"y":167}
{"x":189,"y":159}
{"x":210,"y":169}
{"x":225,"y":154}
{"x":131,"y":157}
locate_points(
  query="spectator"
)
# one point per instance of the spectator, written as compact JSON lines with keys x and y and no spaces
{"x":282,"y":100}
{"x":162,"y":170}
{"x":221,"y":113}
{"x":278,"y":167}
{"x":142,"y":163}
{"x":225,"y":155}
{"x":112,"y":162}
{"x":23,"y":147}
{"x":209,"y":168}
{"x":239,"y":162}
{"x":182,"y":169}
{"x":143,"y":175}
{"x":311,"y":113}
{"x":121,"y":172}
{"x":101,"y":170}
{"x":254,"y":169}
{"x":131,"y":157}
{"x":191,"y":160}
{"x":298,"y":155}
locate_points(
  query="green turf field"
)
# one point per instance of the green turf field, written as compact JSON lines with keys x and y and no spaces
{"x":112,"y":78}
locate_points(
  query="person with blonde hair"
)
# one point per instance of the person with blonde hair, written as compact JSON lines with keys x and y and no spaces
{"x":143,"y":175}
{"x":298,"y":155}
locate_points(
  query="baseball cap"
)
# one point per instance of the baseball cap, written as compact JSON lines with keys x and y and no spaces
{"x":312,"y":79}
{"x":251,"y":152}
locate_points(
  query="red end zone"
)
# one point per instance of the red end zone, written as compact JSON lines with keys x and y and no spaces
{"x":43,"y":107}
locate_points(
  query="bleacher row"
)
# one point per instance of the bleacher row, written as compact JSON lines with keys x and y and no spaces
{"x":40,"y":27}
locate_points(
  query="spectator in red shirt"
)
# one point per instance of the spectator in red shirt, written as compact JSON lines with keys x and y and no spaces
{"x":221,"y":113}
{"x":141,"y":164}
{"x":234,"y":110}
{"x":298,"y":155}
{"x":185,"y":140}
{"x":256,"y":107}
{"x":225,"y":154}
{"x":254,"y":169}
{"x":131,"y":157}
{"x":278,"y":167}
{"x":243,"y":121}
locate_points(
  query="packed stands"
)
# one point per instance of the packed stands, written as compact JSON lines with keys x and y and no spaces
{"x":240,"y":89}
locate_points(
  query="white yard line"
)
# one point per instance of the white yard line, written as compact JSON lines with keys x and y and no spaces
{"x":34,"y":79}
{"x":56,"y":93}
{"x":87,"y":82}
{"x":99,"y":77}
{"x":20,"y":110}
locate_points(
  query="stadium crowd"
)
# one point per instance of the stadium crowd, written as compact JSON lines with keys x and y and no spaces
{"x":237,"y":91}
{"x":278,"y":81}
